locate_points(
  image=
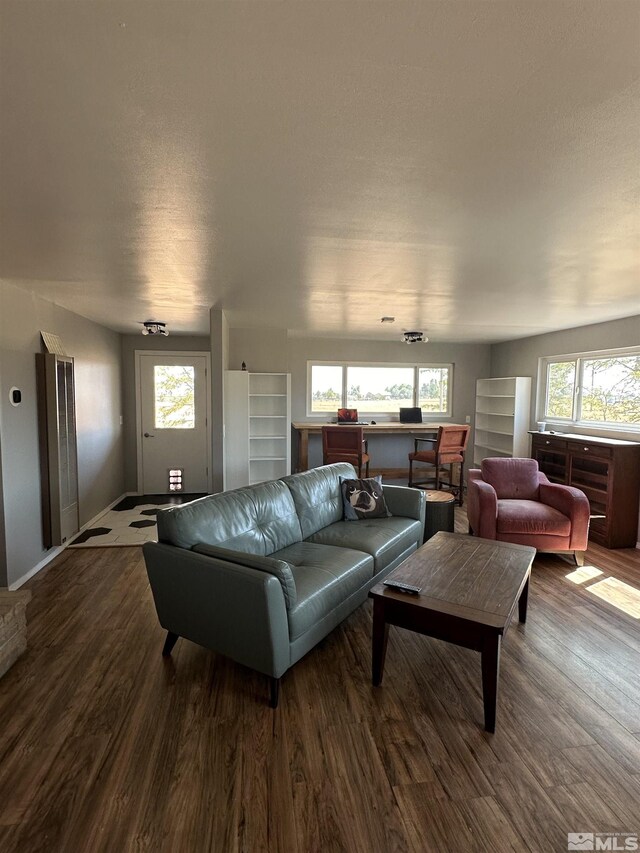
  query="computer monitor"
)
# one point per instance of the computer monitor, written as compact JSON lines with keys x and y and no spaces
{"x":347,"y":416}
{"x":410,"y":415}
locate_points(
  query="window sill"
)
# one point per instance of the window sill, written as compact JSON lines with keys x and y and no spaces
{"x":582,"y":429}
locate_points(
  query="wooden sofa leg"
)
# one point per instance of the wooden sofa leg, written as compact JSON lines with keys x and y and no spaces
{"x":578,"y":556}
{"x":274,"y":691}
{"x":169,"y":643}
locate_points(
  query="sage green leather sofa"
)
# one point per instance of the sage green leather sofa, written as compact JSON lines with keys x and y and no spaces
{"x":262,"y":573}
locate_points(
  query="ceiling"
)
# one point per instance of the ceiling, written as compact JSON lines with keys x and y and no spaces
{"x":470,"y":168}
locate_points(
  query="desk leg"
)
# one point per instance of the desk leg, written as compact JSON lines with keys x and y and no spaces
{"x":490,"y":673}
{"x":379,"y":642}
{"x":522,"y":602}
{"x":303,"y":450}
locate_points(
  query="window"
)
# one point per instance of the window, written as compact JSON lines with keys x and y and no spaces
{"x":600,"y":389}
{"x":174,"y":387}
{"x":376,"y":389}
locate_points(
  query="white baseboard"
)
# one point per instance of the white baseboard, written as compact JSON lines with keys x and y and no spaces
{"x":54,"y":552}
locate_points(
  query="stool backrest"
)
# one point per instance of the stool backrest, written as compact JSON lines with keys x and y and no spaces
{"x":342,"y":439}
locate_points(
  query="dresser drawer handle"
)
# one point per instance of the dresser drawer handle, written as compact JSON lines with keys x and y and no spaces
{"x":586,"y":448}
{"x":547,"y":442}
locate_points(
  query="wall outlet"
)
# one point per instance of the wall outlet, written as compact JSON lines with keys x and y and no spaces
{"x":467,"y":420}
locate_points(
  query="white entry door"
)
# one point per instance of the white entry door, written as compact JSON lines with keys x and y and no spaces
{"x":173,"y":440}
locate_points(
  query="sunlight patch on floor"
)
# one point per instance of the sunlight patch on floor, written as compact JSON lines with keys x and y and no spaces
{"x":584,"y":573}
{"x":622,"y":595}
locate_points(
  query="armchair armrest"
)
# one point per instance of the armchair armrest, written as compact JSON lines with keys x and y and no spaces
{"x":232,"y":609}
{"x":482,"y":506}
{"x":575,"y":505}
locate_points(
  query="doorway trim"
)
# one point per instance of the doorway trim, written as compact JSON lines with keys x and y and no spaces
{"x":179,"y":354}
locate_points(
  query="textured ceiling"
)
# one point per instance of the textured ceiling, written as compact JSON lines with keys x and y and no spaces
{"x":469,"y":167}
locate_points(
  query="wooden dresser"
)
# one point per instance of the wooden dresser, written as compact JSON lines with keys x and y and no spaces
{"x":606,"y":470}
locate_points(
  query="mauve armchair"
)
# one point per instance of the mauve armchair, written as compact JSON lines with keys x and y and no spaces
{"x":511,"y":500}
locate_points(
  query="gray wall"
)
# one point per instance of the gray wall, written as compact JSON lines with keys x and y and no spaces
{"x":131,"y":343}
{"x":263,"y":350}
{"x":273,"y":351}
{"x":219,"y":332}
{"x":96,"y":351}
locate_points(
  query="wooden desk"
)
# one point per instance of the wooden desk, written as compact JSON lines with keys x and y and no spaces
{"x":304,"y":430}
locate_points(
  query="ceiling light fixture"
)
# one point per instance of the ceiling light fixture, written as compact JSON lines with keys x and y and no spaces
{"x":414,"y":338}
{"x":152,"y":327}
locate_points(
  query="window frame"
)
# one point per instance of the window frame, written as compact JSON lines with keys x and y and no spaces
{"x":382,"y":416}
{"x":580,"y":359}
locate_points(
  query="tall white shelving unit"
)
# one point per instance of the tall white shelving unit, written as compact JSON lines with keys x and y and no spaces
{"x":257,"y":427}
{"x":502,"y":417}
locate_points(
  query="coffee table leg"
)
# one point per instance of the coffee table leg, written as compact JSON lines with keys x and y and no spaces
{"x":379,"y":642}
{"x":490,"y":672}
{"x":522,"y":602}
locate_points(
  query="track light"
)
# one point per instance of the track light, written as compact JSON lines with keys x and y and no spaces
{"x":151,"y":327}
{"x":414,"y":338}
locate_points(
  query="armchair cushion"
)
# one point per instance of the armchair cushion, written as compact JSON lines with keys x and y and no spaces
{"x":512,"y":478}
{"x":531,"y":518}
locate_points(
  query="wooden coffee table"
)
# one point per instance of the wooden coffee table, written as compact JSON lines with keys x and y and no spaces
{"x":470,"y":588}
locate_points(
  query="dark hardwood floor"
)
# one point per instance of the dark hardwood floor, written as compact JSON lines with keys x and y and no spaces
{"x":105,"y":746}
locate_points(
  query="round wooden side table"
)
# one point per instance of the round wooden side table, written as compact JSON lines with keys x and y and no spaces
{"x":439,"y":513}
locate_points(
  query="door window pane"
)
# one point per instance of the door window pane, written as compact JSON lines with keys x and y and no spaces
{"x":433,"y":388}
{"x":174,"y":387}
{"x":379,"y":389}
{"x":326,"y":387}
{"x":560,"y":384}
{"x":611,"y":390}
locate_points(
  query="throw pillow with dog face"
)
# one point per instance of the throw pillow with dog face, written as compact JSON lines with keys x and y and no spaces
{"x":363,"y":499}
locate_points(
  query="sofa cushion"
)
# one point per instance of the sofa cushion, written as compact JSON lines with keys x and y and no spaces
{"x":256,"y":519}
{"x":278,"y":568}
{"x":512,"y":478}
{"x":383,"y":538}
{"x":531,"y":518}
{"x":324,"y":576}
{"x":363,"y":499}
{"x":317,"y":495}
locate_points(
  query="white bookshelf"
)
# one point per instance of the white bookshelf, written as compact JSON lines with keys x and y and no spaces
{"x":257,"y":427}
{"x":502,"y":417}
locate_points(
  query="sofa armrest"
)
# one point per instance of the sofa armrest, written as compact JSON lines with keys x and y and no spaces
{"x":482,"y":506}
{"x":279,"y":568}
{"x":403,"y":501}
{"x":575,"y":505}
{"x":232,"y":609}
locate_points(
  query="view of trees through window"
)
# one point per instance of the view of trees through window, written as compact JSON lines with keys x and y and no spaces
{"x":376,"y":389}
{"x":174,"y":396}
{"x":610,"y":390}
{"x":560,"y":385}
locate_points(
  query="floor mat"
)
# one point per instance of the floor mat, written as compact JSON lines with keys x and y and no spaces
{"x":131,"y":522}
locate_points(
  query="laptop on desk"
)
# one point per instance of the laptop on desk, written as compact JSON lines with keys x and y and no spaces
{"x":350,"y":416}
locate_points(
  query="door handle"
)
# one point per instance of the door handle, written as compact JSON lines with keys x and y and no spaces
{"x":148,"y":435}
